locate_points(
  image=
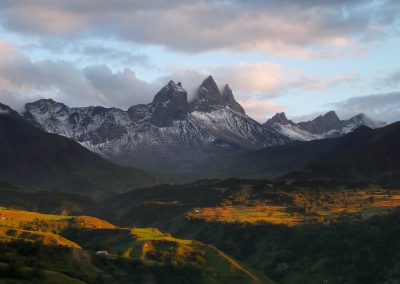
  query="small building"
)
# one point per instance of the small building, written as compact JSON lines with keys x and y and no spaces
{"x":102,"y":252}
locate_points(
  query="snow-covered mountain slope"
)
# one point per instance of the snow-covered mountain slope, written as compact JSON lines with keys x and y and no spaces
{"x":322,"y":127}
{"x":168,"y":127}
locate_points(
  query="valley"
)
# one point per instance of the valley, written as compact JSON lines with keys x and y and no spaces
{"x":216,"y":198}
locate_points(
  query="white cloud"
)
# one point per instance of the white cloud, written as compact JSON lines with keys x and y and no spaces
{"x":303,"y":29}
{"x":260,"y":110}
{"x":385,"y":107}
{"x":23,"y":80}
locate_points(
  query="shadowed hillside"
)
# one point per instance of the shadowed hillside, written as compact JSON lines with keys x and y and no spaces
{"x":33,"y":157}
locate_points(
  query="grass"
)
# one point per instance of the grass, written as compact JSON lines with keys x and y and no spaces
{"x":243,"y":213}
{"x":153,"y":234}
{"x":239,"y":273}
{"x":302,"y":207}
{"x":7,"y":234}
{"x":148,"y":245}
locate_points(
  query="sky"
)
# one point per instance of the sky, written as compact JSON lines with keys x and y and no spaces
{"x":303,"y":58}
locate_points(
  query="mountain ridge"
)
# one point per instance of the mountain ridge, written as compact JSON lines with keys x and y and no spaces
{"x":172,"y":135}
{"x":170,"y":130}
{"x":328,"y":125}
{"x":33,"y":157}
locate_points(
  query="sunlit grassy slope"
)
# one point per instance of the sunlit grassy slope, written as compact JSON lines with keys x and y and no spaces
{"x":147,"y":245}
{"x":304,"y":207}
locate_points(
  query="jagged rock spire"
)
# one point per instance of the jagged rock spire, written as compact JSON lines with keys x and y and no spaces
{"x":209,"y":98}
{"x":229,"y":100}
{"x":169,"y":104}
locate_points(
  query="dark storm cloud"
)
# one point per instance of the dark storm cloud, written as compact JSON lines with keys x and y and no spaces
{"x":297,"y":28}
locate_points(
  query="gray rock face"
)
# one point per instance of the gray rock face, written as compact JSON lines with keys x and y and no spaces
{"x":229,"y":100}
{"x":280,"y":118}
{"x":169,"y":104}
{"x":209,"y":98}
{"x":322,"y":124}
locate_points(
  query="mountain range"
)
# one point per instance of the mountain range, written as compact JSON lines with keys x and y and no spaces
{"x":324,"y":126}
{"x":365,"y":154}
{"x":173,"y":135}
{"x":33,"y":157}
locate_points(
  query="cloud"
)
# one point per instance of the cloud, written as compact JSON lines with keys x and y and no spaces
{"x":303,"y":29}
{"x":254,"y":84}
{"x":260,"y":110}
{"x":384,"y":107}
{"x":108,"y":54}
{"x":121,"y":89}
{"x":246,"y":79}
{"x":257,"y":80}
{"x":321,"y":84}
{"x":6,"y":47}
{"x":391,"y":79}
{"x":23,"y":80}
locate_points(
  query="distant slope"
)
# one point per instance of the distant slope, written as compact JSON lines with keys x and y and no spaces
{"x":22,"y":197}
{"x":30,"y":156}
{"x":366,"y":154}
{"x":370,"y":155}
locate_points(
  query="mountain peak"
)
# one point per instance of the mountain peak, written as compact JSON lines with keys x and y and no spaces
{"x":322,"y":124}
{"x":169,"y":104}
{"x":331,"y":115}
{"x":208,"y":97}
{"x":279,"y":117}
{"x":171,"y":91}
{"x":362,"y":119}
{"x":229,"y":99}
{"x":209,"y":89}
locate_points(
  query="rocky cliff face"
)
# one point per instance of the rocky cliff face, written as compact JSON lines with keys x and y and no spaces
{"x":280,"y":118}
{"x":322,"y":124}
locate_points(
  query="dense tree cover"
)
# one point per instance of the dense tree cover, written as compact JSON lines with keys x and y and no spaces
{"x":340,"y":252}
